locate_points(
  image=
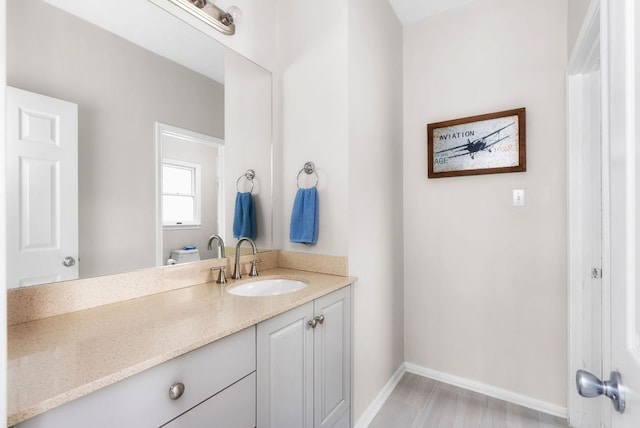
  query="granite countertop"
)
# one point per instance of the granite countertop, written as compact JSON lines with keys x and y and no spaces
{"x":54,"y":360}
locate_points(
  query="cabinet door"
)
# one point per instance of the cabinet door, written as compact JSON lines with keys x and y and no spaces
{"x":234,"y":407}
{"x":344,"y":421}
{"x":285,"y":370}
{"x":332,"y":358}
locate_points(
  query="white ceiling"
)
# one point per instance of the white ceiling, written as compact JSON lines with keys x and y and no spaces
{"x":410,"y":11}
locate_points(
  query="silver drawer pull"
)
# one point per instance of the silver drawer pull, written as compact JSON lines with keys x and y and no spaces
{"x":317,"y":320}
{"x":176,"y":390}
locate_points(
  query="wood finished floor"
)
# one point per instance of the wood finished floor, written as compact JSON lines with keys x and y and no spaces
{"x":418,"y":402}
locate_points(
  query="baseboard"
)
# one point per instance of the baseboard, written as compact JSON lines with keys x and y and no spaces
{"x":376,"y":404}
{"x":488,"y":390}
{"x":491,"y":391}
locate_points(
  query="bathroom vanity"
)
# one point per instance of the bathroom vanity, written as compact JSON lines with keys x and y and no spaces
{"x":188,"y":356}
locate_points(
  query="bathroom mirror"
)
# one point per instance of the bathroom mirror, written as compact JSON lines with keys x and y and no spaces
{"x":128,"y":65}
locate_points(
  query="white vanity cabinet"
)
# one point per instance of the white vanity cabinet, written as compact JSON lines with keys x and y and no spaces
{"x":219,"y":390}
{"x":304,"y":365}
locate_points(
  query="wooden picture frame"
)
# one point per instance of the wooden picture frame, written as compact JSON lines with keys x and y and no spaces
{"x":485,"y":144}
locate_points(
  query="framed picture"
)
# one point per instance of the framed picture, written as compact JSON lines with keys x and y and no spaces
{"x":486,"y":144}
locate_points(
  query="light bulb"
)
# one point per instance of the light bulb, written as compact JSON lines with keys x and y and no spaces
{"x":236,"y":14}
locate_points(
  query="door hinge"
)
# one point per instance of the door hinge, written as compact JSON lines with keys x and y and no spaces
{"x":596,"y":273}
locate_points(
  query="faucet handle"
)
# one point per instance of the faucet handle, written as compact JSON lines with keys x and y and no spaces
{"x":222,"y":278}
{"x":254,"y":268}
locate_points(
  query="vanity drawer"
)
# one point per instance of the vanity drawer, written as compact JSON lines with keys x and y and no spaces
{"x":143,"y":400}
{"x":235,"y":407}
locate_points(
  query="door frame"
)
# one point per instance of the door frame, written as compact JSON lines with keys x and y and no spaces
{"x":165,"y":130}
{"x":585,"y":58}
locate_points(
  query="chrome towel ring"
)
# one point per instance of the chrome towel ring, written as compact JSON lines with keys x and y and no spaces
{"x":249,"y":176}
{"x":309,"y":168}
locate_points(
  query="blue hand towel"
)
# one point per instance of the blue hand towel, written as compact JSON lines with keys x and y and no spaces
{"x":304,"y":217}
{"x":244,"y":217}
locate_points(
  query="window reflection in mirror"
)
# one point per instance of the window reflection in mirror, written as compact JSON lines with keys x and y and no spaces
{"x":180,"y":193}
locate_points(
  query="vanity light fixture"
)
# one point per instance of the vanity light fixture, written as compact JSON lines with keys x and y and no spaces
{"x":224,"y":22}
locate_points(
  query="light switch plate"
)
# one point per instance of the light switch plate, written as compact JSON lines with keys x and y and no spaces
{"x":518,"y":197}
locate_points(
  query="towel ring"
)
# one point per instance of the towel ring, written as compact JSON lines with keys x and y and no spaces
{"x":249,"y":176}
{"x":309,"y":168}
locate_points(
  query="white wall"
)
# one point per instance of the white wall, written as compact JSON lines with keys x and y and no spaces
{"x":375,"y":196}
{"x":339,"y":104}
{"x":313,"y":107}
{"x":485,"y":283}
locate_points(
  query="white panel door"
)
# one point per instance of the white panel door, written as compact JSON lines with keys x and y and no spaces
{"x":285,"y":370}
{"x":623,"y":131}
{"x":585,"y":218}
{"x":42,"y":189}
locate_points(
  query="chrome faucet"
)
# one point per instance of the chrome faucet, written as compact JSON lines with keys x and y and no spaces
{"x":220,"y":244}
{"x":236,"y":269}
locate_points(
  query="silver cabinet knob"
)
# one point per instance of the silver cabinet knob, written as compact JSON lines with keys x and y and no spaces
{"x":68,"y":261}
{"x":176,"y":390}
{"x":317,"y":320}
{"x":590,"y":386}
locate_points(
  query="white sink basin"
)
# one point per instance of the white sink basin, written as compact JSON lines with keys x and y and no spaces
{"x":268,"y":287}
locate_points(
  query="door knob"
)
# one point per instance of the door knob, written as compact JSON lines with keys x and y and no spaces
{"x":68,"y":261}
{"x":590,"y":386}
